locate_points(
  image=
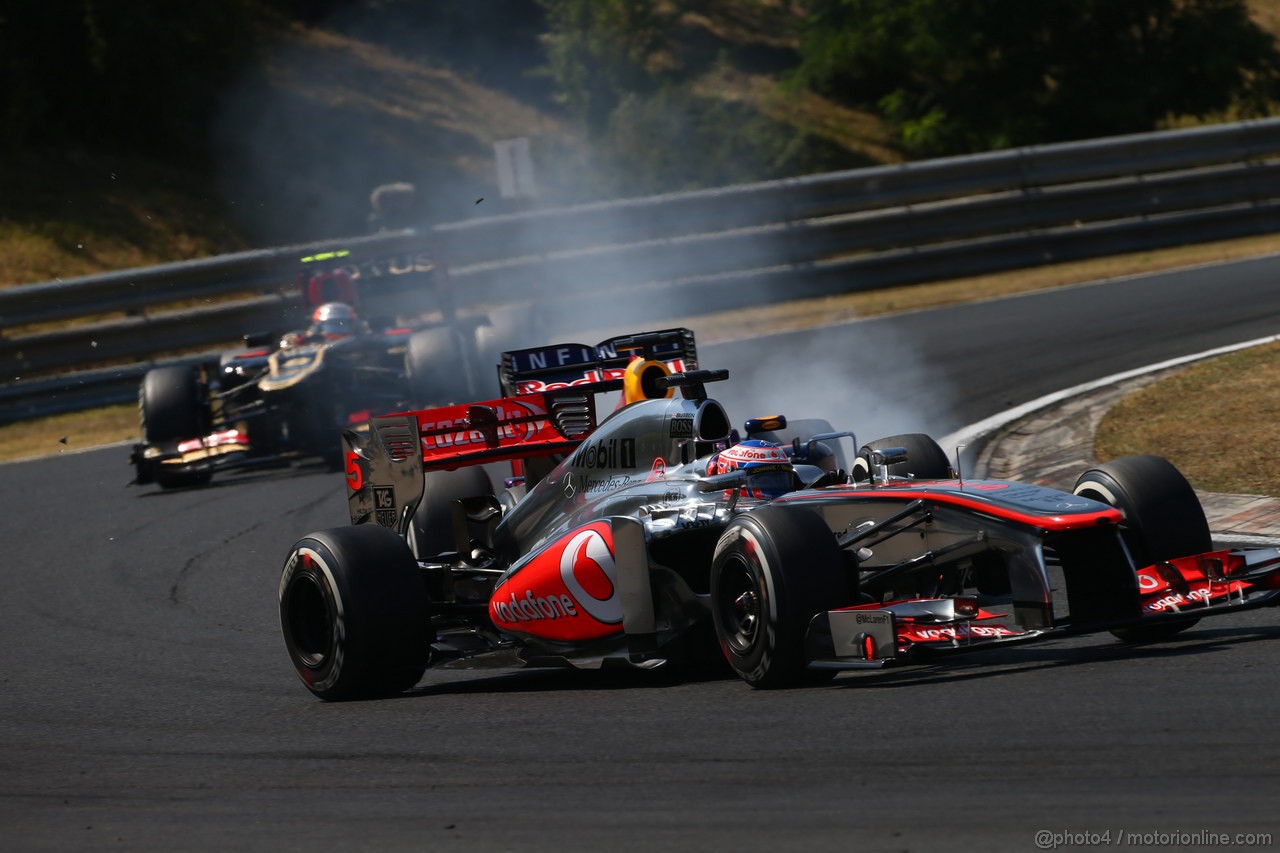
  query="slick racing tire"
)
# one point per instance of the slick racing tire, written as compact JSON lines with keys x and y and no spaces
{"x":354,"y":613}
{"x":436,"y":366}
{"x":432,"y":525}
{"x":1163,"y":520}
{"x":926,"y":460}
{"x":503,"y":329}
{"x":774,"y":569}
{"x":171,"y":406}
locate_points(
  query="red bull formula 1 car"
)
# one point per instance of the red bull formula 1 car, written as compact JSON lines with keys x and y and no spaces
{"x":652,"y":536}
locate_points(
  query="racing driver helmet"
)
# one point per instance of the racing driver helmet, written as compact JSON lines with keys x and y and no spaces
{"x":335,"y":320}
{"x":771,"y":472}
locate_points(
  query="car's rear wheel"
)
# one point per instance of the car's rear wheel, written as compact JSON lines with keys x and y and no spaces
{"x":503,"y":329}
{"x":774,"y":569}
{"x":436,"y":366}
{"x":354,"y":613}
{"x":926,"y":460}
{"x":432,"y":525}
{"x":1163,"y":520}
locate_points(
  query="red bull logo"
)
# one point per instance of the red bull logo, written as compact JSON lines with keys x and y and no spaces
{"x":588,"y":377}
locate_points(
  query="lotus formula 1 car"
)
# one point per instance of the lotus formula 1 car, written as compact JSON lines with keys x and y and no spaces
{"x":290,"y":394}
{"x":651,"y":536}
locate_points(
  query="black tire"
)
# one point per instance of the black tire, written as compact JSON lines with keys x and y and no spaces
{"x":433,"y":519}
{"x":172,"y":404}
{"x":774,"y":569}
{"x":354,"y":613}
{"x":1163,"y":520}
{"x":503,"y":329}
{"x":436,"y":366}
{"x":926,"y":460}
{"x":313,"y":416}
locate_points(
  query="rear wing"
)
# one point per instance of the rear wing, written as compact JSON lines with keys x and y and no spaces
{"x":561,"y":366}
{"x":402,"y":280}
{"x":549,"y":409}
{"x":385,"y":466}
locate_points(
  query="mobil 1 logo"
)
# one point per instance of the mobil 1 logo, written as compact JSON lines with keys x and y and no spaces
{"x":606,"y":453}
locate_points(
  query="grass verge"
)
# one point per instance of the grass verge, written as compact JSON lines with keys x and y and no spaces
{"x":1216,"y":421}
{"x":72,"y":431}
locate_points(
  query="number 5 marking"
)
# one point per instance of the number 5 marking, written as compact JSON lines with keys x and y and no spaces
{"x":355,"y":474}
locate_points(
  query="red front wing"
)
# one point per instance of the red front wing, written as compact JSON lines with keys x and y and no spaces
{"x":1202,"y":583}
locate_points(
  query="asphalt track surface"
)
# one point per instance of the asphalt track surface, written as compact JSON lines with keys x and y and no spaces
{"x":146,"y":701}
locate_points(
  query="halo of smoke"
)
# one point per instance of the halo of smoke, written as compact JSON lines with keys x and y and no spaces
{"x":302,"y":169}
{"x":860,"y":376}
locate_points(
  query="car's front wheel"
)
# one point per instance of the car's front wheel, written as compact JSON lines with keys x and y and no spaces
{"x":1163,"y":519}
{"x":354,"y":613}
{"x":926,"y":460}
{"x":774,"y":569}
{"x":172,"y":405}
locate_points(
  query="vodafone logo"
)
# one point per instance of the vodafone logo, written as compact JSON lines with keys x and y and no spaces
{"x":566,"y":592}
{"x":506,"y":411}
{"x":531,"y":608}
{"x":588,"y":571}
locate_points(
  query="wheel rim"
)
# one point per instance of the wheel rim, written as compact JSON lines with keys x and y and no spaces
{"x":739,"y":605}
{"x":308,"y":620}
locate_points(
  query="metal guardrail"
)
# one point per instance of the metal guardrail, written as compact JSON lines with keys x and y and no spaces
{"x":262,"y":270}
{"x":879,"y":187}
{"x":814,"y":240}
{"x":815,"y":235}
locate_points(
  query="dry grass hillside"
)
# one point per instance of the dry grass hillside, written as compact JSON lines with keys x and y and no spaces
{"x":323,"y":121}
{"x":326,"y":117}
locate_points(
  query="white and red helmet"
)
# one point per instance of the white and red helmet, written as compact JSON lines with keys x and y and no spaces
{"x":772,"y":474}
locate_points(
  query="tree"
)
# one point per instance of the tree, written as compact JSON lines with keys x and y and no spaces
{"x":984,"y":74}
{"x":144,"y":75}
{"x":600,"y":52}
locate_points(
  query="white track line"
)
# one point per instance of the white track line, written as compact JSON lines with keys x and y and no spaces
{"x":974,"y":432}
{"x":970,"y":434}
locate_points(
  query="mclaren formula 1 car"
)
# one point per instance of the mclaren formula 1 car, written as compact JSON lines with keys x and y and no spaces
{"x":654,"y":536}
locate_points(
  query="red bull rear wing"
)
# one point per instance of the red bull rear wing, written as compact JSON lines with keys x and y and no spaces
{"x":574,"y":365}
